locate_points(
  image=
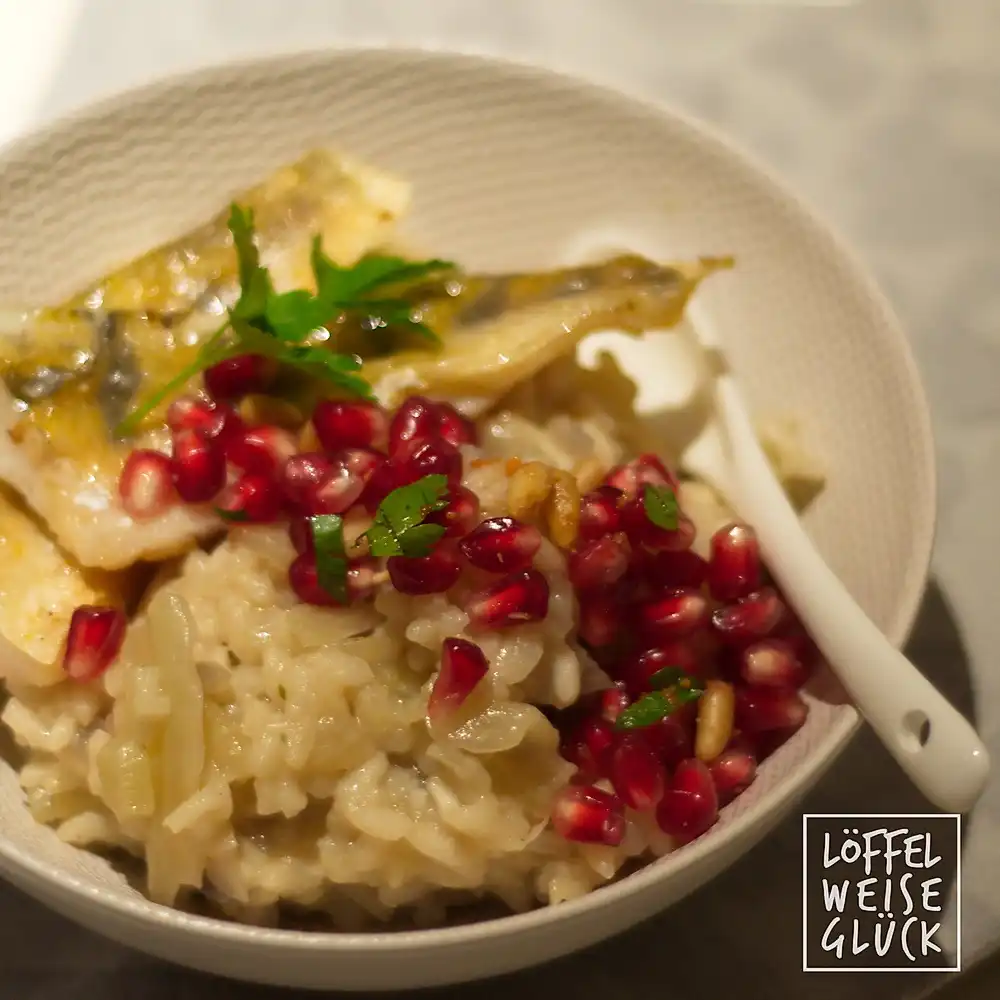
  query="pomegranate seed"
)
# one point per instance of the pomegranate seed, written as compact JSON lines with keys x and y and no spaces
{"x":501,"y":545}
{"x":146,"y":486}
{"x":239,"y":376}
{"x":455,"y":428}
{"x":759,"y":710}
{"x":642,"y":531}
{"x":690,"y":806}
{"x":733,"y":770}
{"x":300,"y":532}
{"x":428,"y":457}
{"x":752,"y":617}
{"x":338,"y":491}
{"x":600,"y":619}
{"x":93,"y":641}
{"x":417,"y":418}
{"x":575,"y":748}
{"x":637,"y":773}
{"x":430,"y":574}
{"x":673,"y":615}
{"x":198,"y":467}
{"x":734,"y":565}
{"x":674,"y":569}
{"x":381,"y":483}
{"x":613,"y":701}
{"x":514,"y":600}
{"x":304,"y":580}
{"x":636,"y":670}
{"x":587,"y":814}
{"x":263,"y":450}
{"x":772,"y":663}
{"x":463,"y":666}
{"x":646,"y":469}
{"x":301,"y":472}
{"x":208,"y":418}
{"x":802,"y":647}
{"x":350,"y":424}
{"x":599,"y":513}
{"x":253,"y":498}
{"x":598,"y":564}
{"x":671,"y":738}
{"x":460,"y":516}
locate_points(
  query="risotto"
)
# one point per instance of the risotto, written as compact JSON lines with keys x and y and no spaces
{"x":352,"y":592}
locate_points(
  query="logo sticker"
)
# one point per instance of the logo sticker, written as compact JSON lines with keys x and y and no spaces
{"x":874,"y":893}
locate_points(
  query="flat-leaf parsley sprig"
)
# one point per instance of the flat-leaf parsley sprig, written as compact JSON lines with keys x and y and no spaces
{"x":399,"y":529}
{"x":279,"y":325}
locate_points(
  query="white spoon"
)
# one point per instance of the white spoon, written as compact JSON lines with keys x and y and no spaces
{"x":932,"y":742}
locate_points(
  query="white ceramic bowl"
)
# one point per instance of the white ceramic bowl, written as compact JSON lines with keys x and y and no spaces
{"x":512,"y":167}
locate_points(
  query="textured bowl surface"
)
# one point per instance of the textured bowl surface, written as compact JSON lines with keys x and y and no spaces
{"x":512,"y":167}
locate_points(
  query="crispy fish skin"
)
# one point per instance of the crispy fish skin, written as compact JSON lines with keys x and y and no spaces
{"x":57,"y":451}
{"x":499,"y":332}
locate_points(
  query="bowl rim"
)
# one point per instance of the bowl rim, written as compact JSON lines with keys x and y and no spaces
{"x":795,"y":785}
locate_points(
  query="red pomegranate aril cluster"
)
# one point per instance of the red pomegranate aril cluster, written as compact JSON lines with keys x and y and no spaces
{"x":649,"y":603}
{"x":236,"y":377}
{"x":431,"y":574}
{"x":343,"y":424}
{"x":501,"y":545}
{"x":93,"y":641}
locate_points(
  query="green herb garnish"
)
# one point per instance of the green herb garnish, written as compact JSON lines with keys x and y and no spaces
{"x":279,"y":325}
{"x":661,"y":506}
{"x":331,"y":556}
{"x":231,"y":515}
{"x":399,"y":528}
{"x":656,"y":705}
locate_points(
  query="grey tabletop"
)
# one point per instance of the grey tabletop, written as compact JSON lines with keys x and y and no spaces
{"x":886,"y":114}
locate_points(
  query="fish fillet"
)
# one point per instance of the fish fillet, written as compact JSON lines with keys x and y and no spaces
{"x":57,"y":451}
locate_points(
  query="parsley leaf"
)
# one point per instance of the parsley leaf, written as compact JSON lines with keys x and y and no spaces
{"x":255,"y":282}
{"x":656,"y":705}
{"x":399,"y":528}
{"x":278,"y":325}
{"x":331,"y":556}
{"x":661,"y":506}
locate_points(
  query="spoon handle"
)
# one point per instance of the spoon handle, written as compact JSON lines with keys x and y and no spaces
{"x":931,"y":740}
